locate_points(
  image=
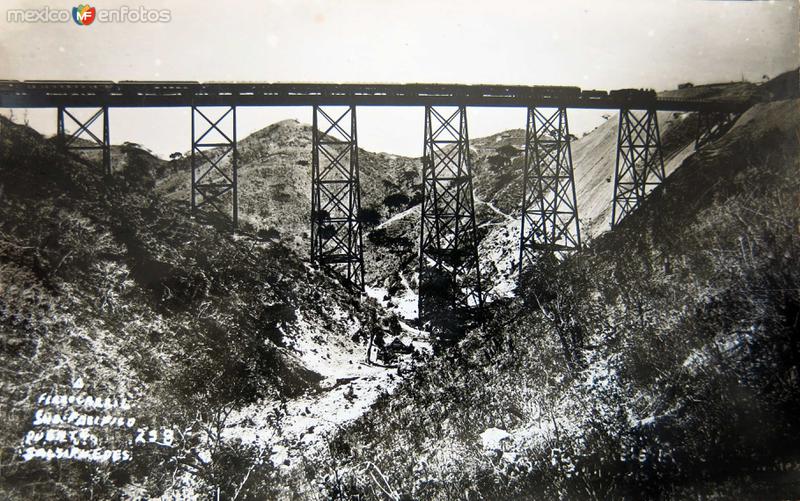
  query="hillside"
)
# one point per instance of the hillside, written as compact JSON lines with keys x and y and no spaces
{"x":662,"y":362}
{"x":498,"y":192}
{"x":275,"y":184}
{"x":177,"y":361}
{"x":109,"y":289}
{"x":275,"y":181}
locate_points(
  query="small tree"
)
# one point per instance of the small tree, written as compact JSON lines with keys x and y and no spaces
{"x":497,"y":161}
{"x":396,"y":201}
{"x":508,"y":151}
{"x":369,"y":217}
{"x":410,"y":176}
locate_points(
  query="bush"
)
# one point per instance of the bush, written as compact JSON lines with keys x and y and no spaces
{"x":396,"y":201}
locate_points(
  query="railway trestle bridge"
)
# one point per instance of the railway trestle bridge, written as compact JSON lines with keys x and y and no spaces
{"x":448,"y":240}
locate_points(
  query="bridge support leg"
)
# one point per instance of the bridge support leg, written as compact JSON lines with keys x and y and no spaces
{"x":640,"y":164}
{"x":450,"y":279}
{"x":215,"y":164}
{"x":86,"y":136}
{"x":549,"y":206}
{"x":336,"y":236}
{"x":713,"y":125}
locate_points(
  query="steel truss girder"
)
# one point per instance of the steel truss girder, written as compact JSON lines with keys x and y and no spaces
{"x":713,"y":125}
{"x":215,"y":163}
{"x":67,"y":140}
{"x":640,"y":164}
{"x":549,"y":220}
{"x":336,"y":234}
{"x":448,"y":236}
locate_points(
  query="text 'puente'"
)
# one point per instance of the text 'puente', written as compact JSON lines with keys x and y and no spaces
{"x":448,"y":241}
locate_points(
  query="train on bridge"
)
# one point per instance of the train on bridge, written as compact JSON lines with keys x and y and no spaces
{"x":448,"y":241}
{"x":188,"y":89}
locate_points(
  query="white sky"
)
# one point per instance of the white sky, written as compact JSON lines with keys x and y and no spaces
{"x":592,"y":44}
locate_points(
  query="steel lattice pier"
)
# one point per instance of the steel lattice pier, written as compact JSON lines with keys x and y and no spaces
{"x":336,"y":236}
{"x":639,"y":165}
{"x":450,"y":276}
{"x":549,"y":206}
{"x":713,"y":125}
{"x":215,"y":161}
{"x":74,"y":141}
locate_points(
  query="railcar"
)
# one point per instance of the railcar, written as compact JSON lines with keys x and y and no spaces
{"x":594,"y":94}
{"x":10,"y":84}
{"x":156,"y":88}
{"x":71,"y":87}
{"x":633,"y":94}
{"x":555,"y":92}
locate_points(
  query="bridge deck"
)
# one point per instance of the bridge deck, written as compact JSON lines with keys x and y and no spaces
{"x":133,"y":94}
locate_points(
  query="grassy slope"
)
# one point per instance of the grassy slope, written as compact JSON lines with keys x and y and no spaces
{"x":275,"y":181}
{"x":110,"y":282}
{"x":661,"y":362}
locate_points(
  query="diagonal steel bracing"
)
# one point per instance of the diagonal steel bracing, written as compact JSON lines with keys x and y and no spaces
{"x":549,"y":207}
{"x":448,"y":238}
{"x":215,"y":161}
{"x":336,"y":236}
{"x":85,"y":131}
{"x":640,"y":164}
{"x":713,"y":125}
